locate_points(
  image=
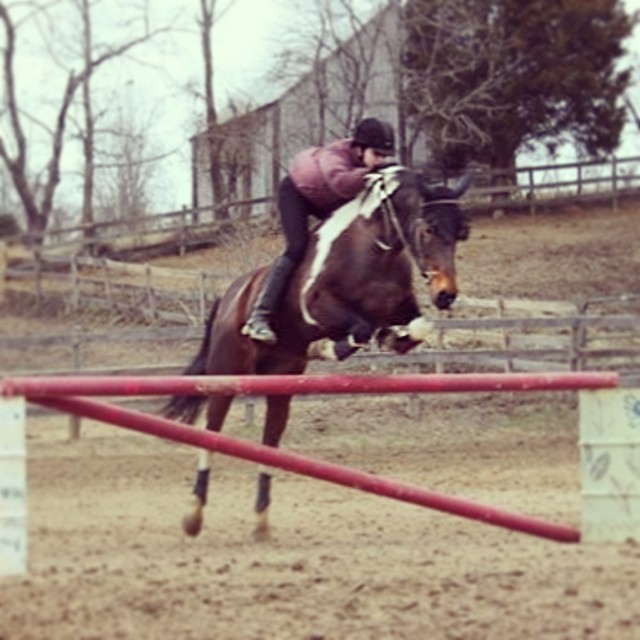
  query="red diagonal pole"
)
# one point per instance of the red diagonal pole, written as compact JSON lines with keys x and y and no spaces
{"x":296,"y":463}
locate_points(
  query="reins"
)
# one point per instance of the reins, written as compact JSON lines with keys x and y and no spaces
{"x":390,"y":219}
{"x":389,"y":214}
{"x":441,"y":201}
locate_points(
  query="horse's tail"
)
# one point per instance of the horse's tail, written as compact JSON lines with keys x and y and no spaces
{"x":187,"y":408}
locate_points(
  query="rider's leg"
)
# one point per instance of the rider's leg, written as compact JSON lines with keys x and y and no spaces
{"x":293,"y":216}
{"x":257,"y":325}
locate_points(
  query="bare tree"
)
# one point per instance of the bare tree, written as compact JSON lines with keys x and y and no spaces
{"x":209,"y":14}
{"x":445,"y":44}
{"x":633,"y":111}
{"x":84,"y":8}
{"x":38,"y":203}
{"x":336,"y":47}
{"x":126,"y":165}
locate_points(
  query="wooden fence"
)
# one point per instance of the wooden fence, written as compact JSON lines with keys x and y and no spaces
{"x":511,"y":334}
{"x":137,"y":291}
{"x":544,"y":336}
{"x":541,"y":186}
{"x":548,"y":341}
{"x":529,"y":188}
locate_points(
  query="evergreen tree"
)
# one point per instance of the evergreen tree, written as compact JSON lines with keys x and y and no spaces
{"x":488,"y":77}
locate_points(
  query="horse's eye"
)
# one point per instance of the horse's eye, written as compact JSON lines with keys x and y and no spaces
{"x":429,"y":275}
{"x":427,"y":232}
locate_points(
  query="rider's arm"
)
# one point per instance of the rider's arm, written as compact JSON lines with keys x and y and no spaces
{"x":340,"y":173}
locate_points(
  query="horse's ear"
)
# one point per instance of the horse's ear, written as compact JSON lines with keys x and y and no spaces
{"x":462,"y":186}
{"x":431,"y":190}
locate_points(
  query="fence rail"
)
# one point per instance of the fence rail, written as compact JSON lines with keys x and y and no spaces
{"x":509,"y":334}
{"x":534,"y":343}
{"x":528,"y":187}
{"x":140,"y":291}
{"x":554,"y":339}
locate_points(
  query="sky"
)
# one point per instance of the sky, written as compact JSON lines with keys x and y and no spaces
{"x":150,"y":85}
{"x":246,"y":40}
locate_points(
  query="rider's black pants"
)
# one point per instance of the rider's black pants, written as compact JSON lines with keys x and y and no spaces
{"x":295,"y":210}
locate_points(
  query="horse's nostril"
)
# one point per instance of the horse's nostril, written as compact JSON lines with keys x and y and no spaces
{"x":445,"y":299}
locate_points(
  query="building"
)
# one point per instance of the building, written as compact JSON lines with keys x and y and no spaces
{"x":360,"y":78}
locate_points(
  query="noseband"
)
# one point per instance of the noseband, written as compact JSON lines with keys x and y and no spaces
{"x":391,"y":221}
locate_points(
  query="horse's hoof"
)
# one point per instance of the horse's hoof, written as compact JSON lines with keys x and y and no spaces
{"x":261,"y":534}
{"x":192,"y":522}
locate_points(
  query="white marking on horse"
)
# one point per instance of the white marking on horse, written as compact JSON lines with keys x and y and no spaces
{"x":420,"y":329}
{"x":381,"y":186}
{"x":204,"y":459}
{"x":324,"y":349}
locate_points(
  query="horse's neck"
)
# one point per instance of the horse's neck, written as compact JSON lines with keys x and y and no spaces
{"x":386,"y":234}
{"x":392,"y":224}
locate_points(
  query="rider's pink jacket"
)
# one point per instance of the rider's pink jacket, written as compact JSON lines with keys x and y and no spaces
{"x":328,"y":176}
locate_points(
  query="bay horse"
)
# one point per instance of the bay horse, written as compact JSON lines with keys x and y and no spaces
{"x":356,"y":280}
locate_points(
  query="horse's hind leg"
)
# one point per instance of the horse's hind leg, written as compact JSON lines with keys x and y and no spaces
{"x":275,"y":425}
{"x":216,"y":412}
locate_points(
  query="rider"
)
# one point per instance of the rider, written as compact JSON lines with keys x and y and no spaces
{"x":320,"y":180}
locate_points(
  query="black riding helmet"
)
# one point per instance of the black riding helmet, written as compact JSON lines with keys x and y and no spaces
{"x":375,"y":134}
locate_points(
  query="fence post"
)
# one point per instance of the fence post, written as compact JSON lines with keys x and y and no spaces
{"x":415,"y":400}
{"x":250,"y":411}
{"x":182,"y":249}
{"x":75,"y":291}
{"x":579,"y":337}
{"x":579,"y":178}
{"x":574,"y":360}
{"x":107,"y":281}
{"x":532,"y":192}
{"x":440,"y":346}
{"x":506,"y":338}
{"x":4,"y":266}
{"x":75,"y":422}
{"x":37,"y":255}
{"x":614,"y":182}
{"x":151,"y":300}
{"x":203,"y":310}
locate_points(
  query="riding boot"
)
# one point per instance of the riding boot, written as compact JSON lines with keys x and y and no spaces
{"x":257,"y":325}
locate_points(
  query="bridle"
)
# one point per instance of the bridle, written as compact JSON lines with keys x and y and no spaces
{"x":390,"y":220}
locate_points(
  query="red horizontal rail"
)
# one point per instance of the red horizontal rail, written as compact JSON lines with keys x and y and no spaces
{"x":296,"y":463}
{"x":309,"y":384}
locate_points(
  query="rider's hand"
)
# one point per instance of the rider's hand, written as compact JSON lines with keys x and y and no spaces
{"x":374,"y":160}
{"x":385,"y":165}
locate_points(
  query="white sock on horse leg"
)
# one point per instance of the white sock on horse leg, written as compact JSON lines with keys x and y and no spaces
{"x":204,"y":459}
{"x":420,"y":329}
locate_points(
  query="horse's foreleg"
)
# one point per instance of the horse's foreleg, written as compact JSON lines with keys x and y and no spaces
{"x":358,"y":336}
{"x":419,"y":329}
{"x":193,"y":519}
{"x":275,"y":425}
{"x":396,"y":339}
{"x":336,"y":351}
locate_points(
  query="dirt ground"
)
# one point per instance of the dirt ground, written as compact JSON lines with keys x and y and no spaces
{"x":107,"y":558}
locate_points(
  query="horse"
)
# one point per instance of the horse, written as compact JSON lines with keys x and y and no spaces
{"x":355,"y":282}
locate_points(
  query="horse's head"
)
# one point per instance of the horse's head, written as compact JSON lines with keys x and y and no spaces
{"x":432,"y":224}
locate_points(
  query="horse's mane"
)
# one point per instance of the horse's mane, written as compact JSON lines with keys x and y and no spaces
{"x":439,"y":207}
